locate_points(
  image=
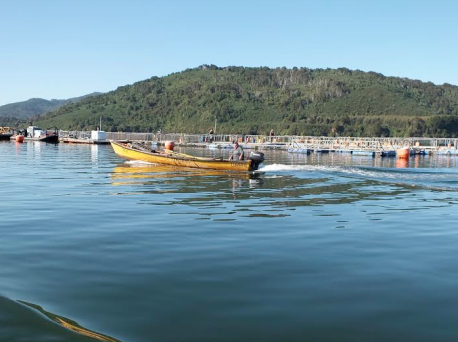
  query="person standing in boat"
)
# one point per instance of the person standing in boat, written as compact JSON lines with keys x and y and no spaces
{"x":237,"y":152}
{"x":210,"y":133}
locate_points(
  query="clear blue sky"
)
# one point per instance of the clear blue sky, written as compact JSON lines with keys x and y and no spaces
{"x":62,"y":49}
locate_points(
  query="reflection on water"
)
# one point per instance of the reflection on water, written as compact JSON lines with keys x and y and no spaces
{"x":402,"y":163}
{"x":155,"y":253}
{"x":343,"y":159}
{"x":212,"y":193}
{"x":146,"y":170}
{"x":94,"y":153}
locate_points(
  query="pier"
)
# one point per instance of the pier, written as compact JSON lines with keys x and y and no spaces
{"x":356,"y":145}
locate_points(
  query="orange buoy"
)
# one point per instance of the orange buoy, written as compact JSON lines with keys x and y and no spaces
{"x":19,"y":138}
{"x":169,"y":145}
{"x":403,"y":153}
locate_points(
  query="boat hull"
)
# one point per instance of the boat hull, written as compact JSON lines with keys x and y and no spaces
{"x":125,"y":151}
{"x":6,"y":136}
{"x":54,"y":139}
{"x":51,"y":138}
{"x":84,"y":141}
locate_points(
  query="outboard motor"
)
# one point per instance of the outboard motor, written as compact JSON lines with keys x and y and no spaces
{"x":257,"y":158}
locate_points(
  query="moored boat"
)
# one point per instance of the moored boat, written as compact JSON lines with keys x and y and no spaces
{"x":138,"y":151}
{"x":36,"y":134}
{"x":5,"y":133}
{"x":47,"y":136}
{"x":97,"y":137}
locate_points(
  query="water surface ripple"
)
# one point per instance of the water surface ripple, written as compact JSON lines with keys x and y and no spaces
{"x":319,"y":247}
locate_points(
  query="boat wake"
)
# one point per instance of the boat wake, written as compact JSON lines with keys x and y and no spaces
{"x":283,"y":167}
{"x":317,"y":168}
{"x":442,"y":179}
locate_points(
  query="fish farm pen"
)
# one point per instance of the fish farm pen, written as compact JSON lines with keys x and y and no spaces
{"x":356,"y":145}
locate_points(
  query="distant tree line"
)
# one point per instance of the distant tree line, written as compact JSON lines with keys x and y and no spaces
{"x":298,"y":101}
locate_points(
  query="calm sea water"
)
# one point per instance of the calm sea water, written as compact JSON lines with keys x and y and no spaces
{"x":318,"y":248}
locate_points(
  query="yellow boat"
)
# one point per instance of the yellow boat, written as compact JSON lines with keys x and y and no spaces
{"x":140,"y":152}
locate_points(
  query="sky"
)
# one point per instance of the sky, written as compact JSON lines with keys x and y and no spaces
{"x":58,"y":49}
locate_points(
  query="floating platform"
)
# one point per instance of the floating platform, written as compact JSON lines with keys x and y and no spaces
{"x":366,"y":153}
{"x":339,"y":150}
{"x":388,"y":154}
{"x":450,"y":152}
{"x":299,"y":150}
{"x":84,"y":141}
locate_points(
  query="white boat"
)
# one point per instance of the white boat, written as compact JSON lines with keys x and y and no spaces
{"x":296,"y":147}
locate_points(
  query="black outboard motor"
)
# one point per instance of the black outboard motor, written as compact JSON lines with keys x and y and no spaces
{"x":257,"y":158}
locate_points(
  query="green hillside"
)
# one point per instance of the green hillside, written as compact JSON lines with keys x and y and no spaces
{"x":255,"y":100}
{"x":11,"y":113}
{"x":29,"y":108}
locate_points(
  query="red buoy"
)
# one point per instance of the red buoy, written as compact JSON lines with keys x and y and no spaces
{"x":19,"y":138}
{"x":169,"y":145}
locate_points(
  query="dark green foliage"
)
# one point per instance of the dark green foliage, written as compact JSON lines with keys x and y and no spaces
{"x":254,"y":100}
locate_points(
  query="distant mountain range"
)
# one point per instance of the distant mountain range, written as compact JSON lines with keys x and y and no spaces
{"x":298,"y":101}
{"x":22,"y":111}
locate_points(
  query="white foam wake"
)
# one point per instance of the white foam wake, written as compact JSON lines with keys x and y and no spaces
{"x":381,"y":174}
{"x":354,"y":171}
{"x":283,"y":167}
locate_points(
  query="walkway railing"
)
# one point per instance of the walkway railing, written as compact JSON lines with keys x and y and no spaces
{"x":310,"y":142}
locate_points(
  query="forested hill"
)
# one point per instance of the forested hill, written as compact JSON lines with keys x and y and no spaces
{"x":29,"y":108}
{"x":32,"y":107}
{"x":255,"y":100}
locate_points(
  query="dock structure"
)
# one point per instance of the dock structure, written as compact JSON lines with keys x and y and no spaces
{"x":357,"y":145}
{"x":372,"y":145}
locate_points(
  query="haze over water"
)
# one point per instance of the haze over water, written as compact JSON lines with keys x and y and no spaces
{"x":318,"y":248}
